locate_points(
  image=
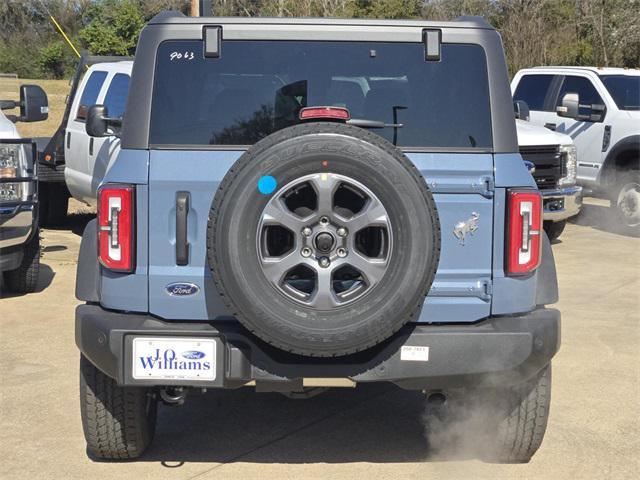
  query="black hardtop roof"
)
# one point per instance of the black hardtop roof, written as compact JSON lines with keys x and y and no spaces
{"x":174,"y":17}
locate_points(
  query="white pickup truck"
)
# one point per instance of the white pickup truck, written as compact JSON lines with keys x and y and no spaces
{"x":600,"y":109}
{"x":19,"y":234}
{"x":86,"y":157}
{"x":550,"y":155}
{"x":551,"y":159}
{"x":86,"y":89}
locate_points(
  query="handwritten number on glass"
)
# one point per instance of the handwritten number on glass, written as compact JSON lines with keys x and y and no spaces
{"x":181,"y":56}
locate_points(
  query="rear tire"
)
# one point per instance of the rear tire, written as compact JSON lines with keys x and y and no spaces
{"x":554,"y":229}
{"x":522,"y":420}
{"x":625,"y":201}
{"x":118,"y":422}
{"x":24,"y":279}
{"x":498,"y":425}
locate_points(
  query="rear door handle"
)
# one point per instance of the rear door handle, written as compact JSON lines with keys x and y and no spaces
{"x":182,"y":213}
{"x":91,"y":146}
{"x":68,"y":139}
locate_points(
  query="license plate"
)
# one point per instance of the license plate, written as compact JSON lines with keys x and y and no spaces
{"x":174,"y":358}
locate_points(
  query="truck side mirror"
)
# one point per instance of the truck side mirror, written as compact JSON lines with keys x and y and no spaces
{"x":570,"y":106}
{"x":521,"y":110}
{"x":98,"y":123}
{"x":34,"y":106}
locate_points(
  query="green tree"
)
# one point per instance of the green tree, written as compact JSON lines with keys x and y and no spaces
{"x":113,"y":28}
{"x":55,"y":59}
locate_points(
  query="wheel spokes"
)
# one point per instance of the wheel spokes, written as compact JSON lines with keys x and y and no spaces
{"x":276,"y":268}
{"x":325,"y":185}
{"x":324,"y":297}
{"x":372,"y":269}
{"x":277,"y":213}
{"x":372,"y":215}
{"x":340,"y":245}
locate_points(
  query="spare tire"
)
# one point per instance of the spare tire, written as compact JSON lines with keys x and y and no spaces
{"x":323,"y":239}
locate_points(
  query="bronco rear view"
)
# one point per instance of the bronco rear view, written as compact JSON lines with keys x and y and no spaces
{"x":299,"y":204}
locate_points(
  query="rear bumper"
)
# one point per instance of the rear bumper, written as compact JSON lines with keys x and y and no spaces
{"x":499,"y":350}
{"x":561,"y":203}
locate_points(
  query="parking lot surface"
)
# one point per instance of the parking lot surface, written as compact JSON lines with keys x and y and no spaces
{"x":373,"y":432}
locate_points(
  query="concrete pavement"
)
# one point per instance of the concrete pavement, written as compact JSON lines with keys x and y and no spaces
{"x":372,"y":432}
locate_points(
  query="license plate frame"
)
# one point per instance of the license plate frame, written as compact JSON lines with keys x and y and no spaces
{"x":174,"y":358}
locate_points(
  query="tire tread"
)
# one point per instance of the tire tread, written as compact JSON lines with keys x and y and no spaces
{"x":115,"y":423}
{"x":520,"y":434}
{"x":24,"y":279}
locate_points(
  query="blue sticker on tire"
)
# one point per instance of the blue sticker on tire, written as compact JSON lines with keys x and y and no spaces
{"x":267,"y":185}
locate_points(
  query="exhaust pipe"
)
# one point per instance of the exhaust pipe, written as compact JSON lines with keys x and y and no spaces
{"x":173,"y":395}
{"x":436,"y":399}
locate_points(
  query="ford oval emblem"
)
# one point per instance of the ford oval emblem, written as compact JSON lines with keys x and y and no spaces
{"x":181,"y":289}
{"x":193,"y":354}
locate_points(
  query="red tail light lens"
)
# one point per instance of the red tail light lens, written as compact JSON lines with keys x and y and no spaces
{"x":116,"y":235}
{"x":524,"y":227}
{"x":335,"y":113}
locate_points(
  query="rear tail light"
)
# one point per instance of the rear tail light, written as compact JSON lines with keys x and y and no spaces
{"x":524,"y":227}
{"x":116,"y":235}
{"x":317,"y":113}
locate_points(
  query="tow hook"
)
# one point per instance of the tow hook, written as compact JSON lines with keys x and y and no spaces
{"x":173,"y":396}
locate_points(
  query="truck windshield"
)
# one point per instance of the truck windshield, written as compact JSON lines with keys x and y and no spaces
{"x":625,"y":90}
{"x":258,"y":87}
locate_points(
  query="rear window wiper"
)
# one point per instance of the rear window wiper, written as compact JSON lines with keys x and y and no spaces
{"x":365,"y":123}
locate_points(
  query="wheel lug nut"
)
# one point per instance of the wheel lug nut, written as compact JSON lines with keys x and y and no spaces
{"x":342,"y":252}
{"x":324,"y":262}
{"x":306,"y":231}
{"x":342,"y":232}
{"x":306,"y":252}
{"x":324,"y":221}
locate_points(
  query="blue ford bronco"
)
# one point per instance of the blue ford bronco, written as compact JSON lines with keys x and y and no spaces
{"x":299,"y":204}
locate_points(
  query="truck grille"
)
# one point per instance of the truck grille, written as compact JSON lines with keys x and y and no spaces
{"x":549,"y":164}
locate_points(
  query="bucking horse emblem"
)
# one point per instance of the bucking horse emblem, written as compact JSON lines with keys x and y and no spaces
{"x":462,"y":228}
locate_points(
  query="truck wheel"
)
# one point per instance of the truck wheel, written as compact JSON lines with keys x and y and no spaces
{"x":24,"y":279}
{"x":54,"y":202}
{"x":626,"y":201}
{"x":554,"y":229}
{"x":521,"y":419}
{"x":499,"y":425}
{"x":118,"y":422}
{"x":323,"y":239}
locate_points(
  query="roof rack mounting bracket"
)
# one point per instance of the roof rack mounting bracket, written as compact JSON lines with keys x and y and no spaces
{"x":432,"y":39}
{"x":212,"y":36}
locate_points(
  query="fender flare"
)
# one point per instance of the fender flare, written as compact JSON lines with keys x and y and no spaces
{"x":88,"y":270}
{"x":605,"y":177}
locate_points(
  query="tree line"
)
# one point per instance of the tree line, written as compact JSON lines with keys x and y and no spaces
{"x":534,"y":32}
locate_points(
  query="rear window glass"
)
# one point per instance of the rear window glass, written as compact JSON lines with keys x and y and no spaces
{"x":533,"y":90}
{"x":258,"y":87}
{"x":625,"y":90}
{"x":116,"y":97}
{"x":90,"y":93}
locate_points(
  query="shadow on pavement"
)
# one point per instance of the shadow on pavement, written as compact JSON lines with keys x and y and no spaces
{"x":45,"y":278}
{"x":599,"y":217}
{"x":373,"y":423}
